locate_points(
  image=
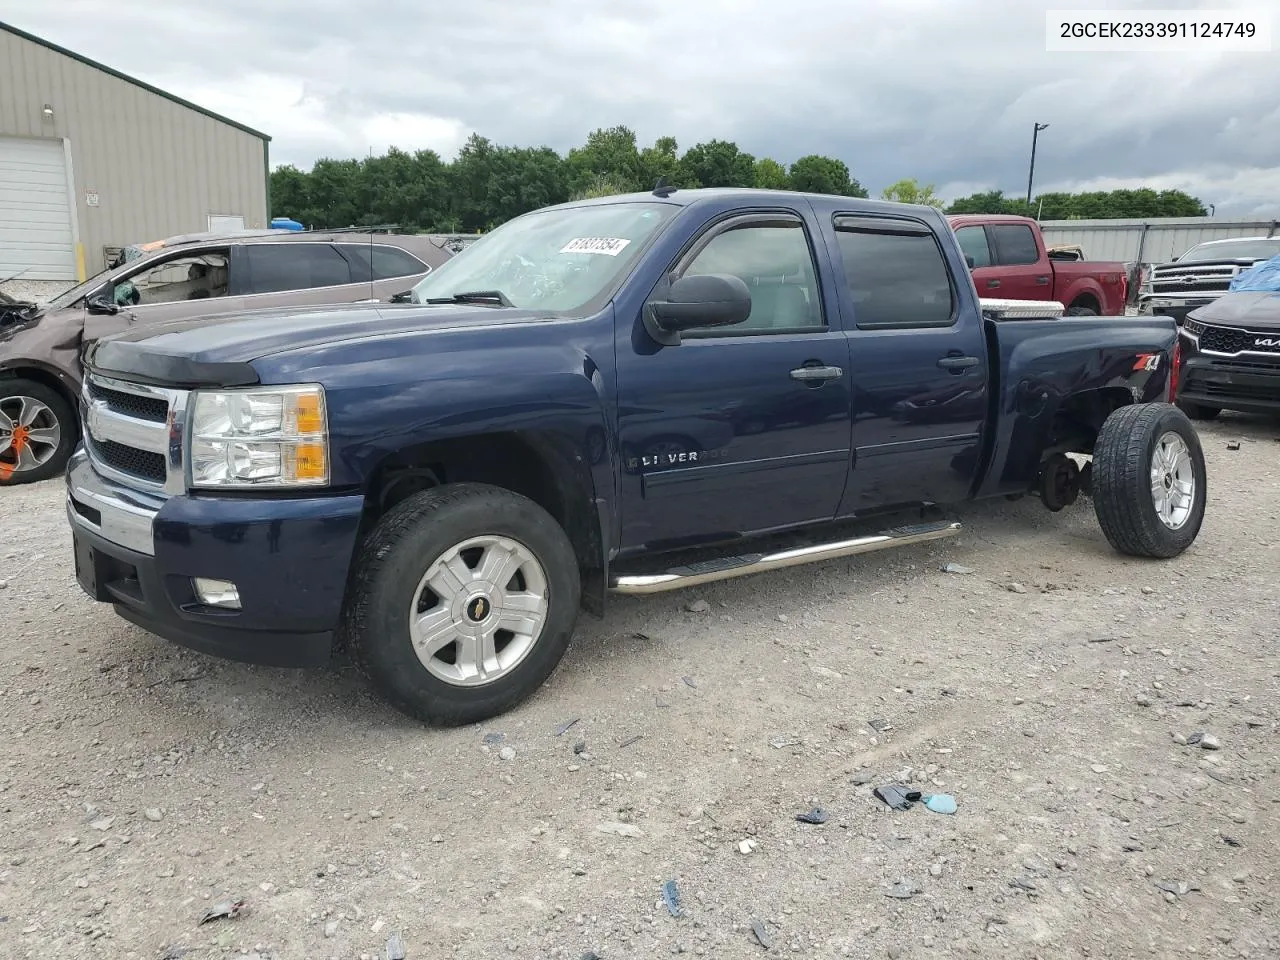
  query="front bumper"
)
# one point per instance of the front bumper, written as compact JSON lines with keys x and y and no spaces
{"x":289,"y":559}
{"x":1249,"y":386}
{"x":1176,"y":308}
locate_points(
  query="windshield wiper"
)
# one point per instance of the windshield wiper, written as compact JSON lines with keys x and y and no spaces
{"x":495,"y":297}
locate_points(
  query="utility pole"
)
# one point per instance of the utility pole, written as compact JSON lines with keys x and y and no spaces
{"x":1031,"y":174}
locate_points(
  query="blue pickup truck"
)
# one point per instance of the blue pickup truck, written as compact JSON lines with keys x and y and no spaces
{"x":631,"y":394}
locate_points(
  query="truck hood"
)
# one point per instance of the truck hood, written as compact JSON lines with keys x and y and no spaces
{"x":1247,"y":310}
{"x":1193,"y":266}
{"x":217,"y":350}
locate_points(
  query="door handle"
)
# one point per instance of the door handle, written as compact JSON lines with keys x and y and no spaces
{"x":816,"y":374}
{"x":993,"y":283}
{"x":958,"y":364}
{"x":1042,"y":281}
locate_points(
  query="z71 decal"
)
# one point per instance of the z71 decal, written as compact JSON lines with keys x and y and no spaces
{"x":1147,"y":362}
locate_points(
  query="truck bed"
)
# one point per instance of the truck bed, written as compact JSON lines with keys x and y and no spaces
{"x":1036,"y":363}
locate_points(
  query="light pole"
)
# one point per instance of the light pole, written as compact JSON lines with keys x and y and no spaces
{"x":1031,"y":174}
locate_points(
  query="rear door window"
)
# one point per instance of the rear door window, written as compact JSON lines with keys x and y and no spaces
{"x":895,"y":272}
{"x":278,"y":267}
{"x":1015,"y":244}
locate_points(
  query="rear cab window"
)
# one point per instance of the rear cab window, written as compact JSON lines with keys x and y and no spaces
{"x":895,"y":273}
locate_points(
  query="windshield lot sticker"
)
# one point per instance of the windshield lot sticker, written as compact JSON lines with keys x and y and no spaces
{"x":609,"y":246}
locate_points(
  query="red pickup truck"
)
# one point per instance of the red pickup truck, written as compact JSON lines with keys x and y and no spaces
{"x":1008,"y":259}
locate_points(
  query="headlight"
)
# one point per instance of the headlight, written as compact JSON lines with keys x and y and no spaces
{"x":272,"y":436}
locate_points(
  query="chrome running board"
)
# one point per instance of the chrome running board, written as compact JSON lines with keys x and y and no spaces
{"x":727,"y":568}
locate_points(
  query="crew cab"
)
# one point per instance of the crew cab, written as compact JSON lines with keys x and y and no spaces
{"x":1201,"y":275}
{"x":1009,"y":259}
{"x":631,"y":394}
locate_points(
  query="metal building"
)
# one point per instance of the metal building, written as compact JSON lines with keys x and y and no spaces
{"x":1157,"y":240}
{"x":92,"y":160}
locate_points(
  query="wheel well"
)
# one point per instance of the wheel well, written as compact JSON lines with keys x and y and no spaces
{"x":534,"y":466}
{"x":1079,"y":418}
{"x":44,"y":378}
{"x":1086,"y":300}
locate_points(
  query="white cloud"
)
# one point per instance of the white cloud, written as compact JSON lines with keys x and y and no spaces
{"x":932,"y":89}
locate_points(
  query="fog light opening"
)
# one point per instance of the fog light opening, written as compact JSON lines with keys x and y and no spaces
{"x":216,"y":593}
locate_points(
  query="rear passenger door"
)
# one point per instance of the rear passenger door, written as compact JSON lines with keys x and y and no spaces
{"x":1021,"y":269}
{"x":297,"y":273}
{"x":918,"y":360}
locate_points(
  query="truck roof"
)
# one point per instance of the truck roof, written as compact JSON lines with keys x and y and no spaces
{"x":751,"y":195}
{"x":990,"y":217}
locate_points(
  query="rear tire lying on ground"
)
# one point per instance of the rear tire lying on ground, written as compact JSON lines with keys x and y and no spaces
{"x":464,"y":600}
{"x":1149,"y":481}
{"x":1197,"y":411}
{"x":38,"y":432}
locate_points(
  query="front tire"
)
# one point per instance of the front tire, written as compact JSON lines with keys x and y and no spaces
{"x":38,"y":432}
{"x":1198,"y":411}
{"x":1149,"y":480}
{"x":1081,"y":312}
{"x":464,"y":601}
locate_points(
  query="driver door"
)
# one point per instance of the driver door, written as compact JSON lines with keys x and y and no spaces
{"x":176,"y":286}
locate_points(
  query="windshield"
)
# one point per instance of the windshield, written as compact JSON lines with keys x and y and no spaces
{"x":79,"y":290}
{"x":559,"y":260}
{"x":1233,"y":250}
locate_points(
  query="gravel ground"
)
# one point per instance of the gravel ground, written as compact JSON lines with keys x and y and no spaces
{"x":38,"y":291}
{"x":1045,"y":691}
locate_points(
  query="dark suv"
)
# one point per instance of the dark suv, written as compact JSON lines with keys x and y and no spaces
{"x":177,"y":279}
{"x":1231,"y":356}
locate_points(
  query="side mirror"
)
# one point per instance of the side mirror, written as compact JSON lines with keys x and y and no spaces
{"x":970,"y":261}
{"x":404,"y":296}
{"x":708,"y":300}
{"x":100,"y":303}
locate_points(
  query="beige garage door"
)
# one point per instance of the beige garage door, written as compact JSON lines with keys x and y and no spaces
{"x":36,"y":241}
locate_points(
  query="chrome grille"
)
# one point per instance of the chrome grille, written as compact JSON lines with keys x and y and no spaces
{"x":1193,"y":281}
{"x":133,"y":433}
{"x":155,"y":409}
{"x":139,"y":463}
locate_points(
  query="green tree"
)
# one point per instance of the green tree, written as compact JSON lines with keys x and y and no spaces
{"x":601,"y":185}
{"x":991,"y":201}
{"x":910,"y":191}
{"x":1091,"y":205}
{"x":335,"y":193}
{"x":815,"y":174}
{"x":719,"y":163}
{"x":771,"y":175}
{"x":608,"y":152}
{"x":470,"y":175}
{"x":662,"y":160}
{"x":523,"y":179}
{"x":291,"y":194}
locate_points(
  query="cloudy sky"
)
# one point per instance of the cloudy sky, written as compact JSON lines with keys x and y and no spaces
{"x":940,"y":90}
